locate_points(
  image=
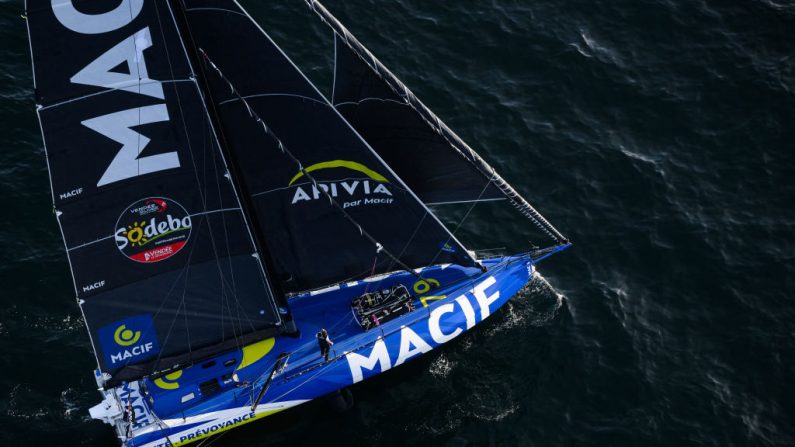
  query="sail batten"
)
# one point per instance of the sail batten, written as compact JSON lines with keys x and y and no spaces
{"x":163,"y":265}
{"x":379,"y":123}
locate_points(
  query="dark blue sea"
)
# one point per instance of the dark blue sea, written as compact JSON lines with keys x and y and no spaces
{"x":659,"y":135}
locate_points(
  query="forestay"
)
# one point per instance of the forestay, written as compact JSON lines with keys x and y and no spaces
{"x":163,"y":264}
{"x":310,"y":243}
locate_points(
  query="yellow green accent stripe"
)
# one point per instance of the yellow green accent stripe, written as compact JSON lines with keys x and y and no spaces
{"x":342,"y":164}
{"x":253,"y":352}
{"x":172,"y":384}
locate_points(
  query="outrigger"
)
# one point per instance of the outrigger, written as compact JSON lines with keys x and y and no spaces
{"x":218,"y":211}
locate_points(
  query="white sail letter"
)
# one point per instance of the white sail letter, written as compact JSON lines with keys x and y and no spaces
{"x":131,"y":52}
{"x":126,"y":164}
{"x":82,"y":23}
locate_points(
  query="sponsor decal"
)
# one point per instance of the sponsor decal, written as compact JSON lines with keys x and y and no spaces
{"x":447,"y":248}
{"x":219,"y":426}
{"x":69,"y":194}
{"x":125,"y":337}
{"x":152,"y":230}
{"x":222,"y":420}
{"x":150,"y":206}
{"x":132,"y":395}
{"x":91,"y":287}
{"x":169,"y":381}
{"x":445,"y":322}
{"x":131,"y":340}
{"x":372,"y":189}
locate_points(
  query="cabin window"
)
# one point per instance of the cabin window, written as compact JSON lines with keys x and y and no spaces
{"x":209,"y":364}
{"x":209,"y":387}
{"x":188,"y":397}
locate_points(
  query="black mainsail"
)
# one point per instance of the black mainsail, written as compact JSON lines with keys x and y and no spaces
{"x":432,"y":159}
{"x":164,"y":265}
{"x":309,"y":242}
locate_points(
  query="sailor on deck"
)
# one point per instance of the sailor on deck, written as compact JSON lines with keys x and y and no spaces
{"x":325,"y":343}
{"x":130,"y":416}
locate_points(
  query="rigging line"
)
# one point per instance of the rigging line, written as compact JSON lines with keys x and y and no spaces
{"x":202,"y":196}
{"x":207,"y":144}
{"x":263,"y":259}
{"x":138,"y":72}
{"x":285,"y":151}
{"x":355,"y":277}
{"x":163,"y":303}
{"x":461,"y":222}
{"x":372,"y":271}
{"x":212,"y":439}
{"x":465,"y":201}
{"x":218,"y":180}
{"x":185,"y":314}
{"x":432,"y":120}
{"x":226,"y":303}
{"x":333,"y":74}
{"x":406,"y":246}
{"x":187,"y":134}
{"x":162,"y":426}
{"x":86,"y":244}
{"x":185,"y":269}
{"x":347,"y":124}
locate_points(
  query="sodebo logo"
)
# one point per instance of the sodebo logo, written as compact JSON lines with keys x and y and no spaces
{"x":152,"y":230}
{"x":128,"y":341}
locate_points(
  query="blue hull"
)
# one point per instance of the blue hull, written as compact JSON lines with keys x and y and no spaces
{"x":205,"y":399}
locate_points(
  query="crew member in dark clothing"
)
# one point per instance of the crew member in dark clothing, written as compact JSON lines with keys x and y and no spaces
{"x":325,"y":343}
{"x":130,"y":419}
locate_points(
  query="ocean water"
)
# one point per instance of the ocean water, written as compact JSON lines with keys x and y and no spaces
{"x":657,"y":134}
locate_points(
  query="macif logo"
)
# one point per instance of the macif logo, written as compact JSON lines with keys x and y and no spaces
{"x":129,"y":341}
{"x":125,"y":337}
{"x":169,"y":381}
{"x":370,"y":188}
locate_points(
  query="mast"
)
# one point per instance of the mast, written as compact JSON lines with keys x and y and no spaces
{"x":459,"y":145}
{"x":241,"y":190}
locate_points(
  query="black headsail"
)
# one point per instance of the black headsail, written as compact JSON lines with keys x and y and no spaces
{"x":164,"y":265}
{"x":417,"y":152}
{"x":428,"y":155}
{"x":311,"y":244}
